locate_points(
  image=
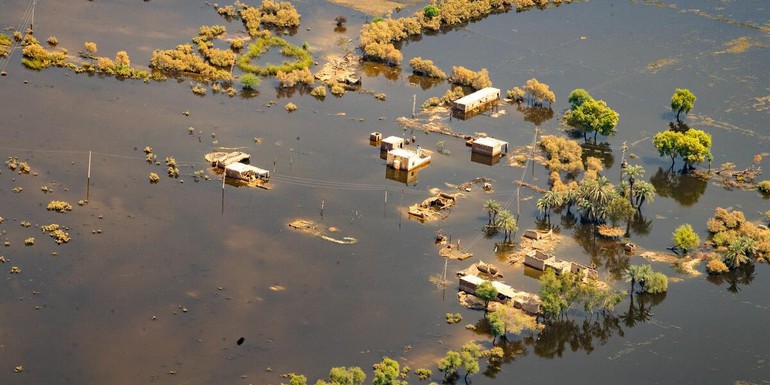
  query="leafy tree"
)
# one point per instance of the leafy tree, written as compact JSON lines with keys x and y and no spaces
{"x":686,"y":238}
{"x":594,"y":116}
{"x":666,"y":143}
{"x":486,"y":292}
{"x":551,"y":199}
{"x":507,"y":319}
{"x":387,"y":373}
{"x":594,"y":197}
{"x":90,"y":48}
{"x":507,"y":222}
{"x":470,"y":362}
{"x":682,"y":101}
{"x":693,"y":146}
{"x":551,"y":293}
{"x":492,"y":208}
{"x":577,"y":97}
{"x":250,"y":81}
{"x":449,"y":364}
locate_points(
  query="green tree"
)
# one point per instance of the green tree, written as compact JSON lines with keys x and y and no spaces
{"x":344,"y":376}
{"x":682,"y":101}
{"x":643,"y":191}
{"x":693,"y":146}
{"x":738,"y":251}
{"x":551,"y":199}
{"x":637,"y":273}
{"x":666,"y":143}
{"x":577,"y":97}
{"x":486,"y":291}
{"x":492,"y":208}
{"x":552,"y":295}
{"x":619,"y":208}
{"x":507,"y":222}
{"x":594,"y":197}
{"x":250,"y":81}
{"x":594,"y":116}
{"x":387,"y":372}
{"x":686,"y":238}
{"x":449,"y":364}
{"x":470,"y":362}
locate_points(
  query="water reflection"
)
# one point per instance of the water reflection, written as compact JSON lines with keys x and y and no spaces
{"x":602,"y":151}
{"x":606,"y":253}
{"x":288,"y":92}
{"x":640,"y":308}
{"x":743,"y":275}
{"x":424,"y":82}
{"x":535,"y":115}
{"x":686,"y":189}
{"x":373,"y":70}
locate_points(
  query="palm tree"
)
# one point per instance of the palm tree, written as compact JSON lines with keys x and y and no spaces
{"x":644,"y":191}
{"x":594,"y":197}
{"x":548,"y":201}
{"x":633,"y":171}
{"x":637,"y":273}
{"x":507,"y":222}
{"x":492,"y":208}
{"x":738,"y":251}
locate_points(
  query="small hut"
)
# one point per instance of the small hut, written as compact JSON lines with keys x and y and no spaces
{"x":477,"y":99}
{"x":489,"y":146}
{"x":392,"y":143}
{"x":403,"y":159}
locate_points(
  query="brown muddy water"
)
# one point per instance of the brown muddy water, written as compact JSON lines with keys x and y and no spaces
{"x":160,"y":281}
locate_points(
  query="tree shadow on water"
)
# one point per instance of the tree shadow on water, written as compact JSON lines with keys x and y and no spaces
{"x":686,"y":189}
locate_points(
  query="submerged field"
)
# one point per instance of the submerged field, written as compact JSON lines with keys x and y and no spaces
{"x":160,"y":281}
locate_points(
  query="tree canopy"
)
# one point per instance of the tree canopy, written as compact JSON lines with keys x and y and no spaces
{"x":594,"y":116}
{"x":693,"y":146}
{"x":577,"y":97}
{"x":682,"y":101}
{"x":686,"y":238}
{"x":486,"y":291}
{"x":387,"y":372}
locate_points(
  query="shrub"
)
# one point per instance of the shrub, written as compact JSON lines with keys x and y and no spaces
{"x":250,"y":81}
{"x":337,"y":89}
{"x":290,"y":79}
{"x":319,"y":92}
{"x":236,"y":45}
{"x":383,"y":52}
{"x":60,"y":206}
{"x":764,"y":186}
{"x":184,"y":59}
{"x":451,"y":95}
{"x":476,"y":80}
{"x":656,"y":283}
{"x":303,"y":58}
{"x":562,"y":154}
{"x":154,"y":178}
{"x":423,"y":374}
{"x":290,"y":107}
{"x":426,"y":68}
{"x":340,"y":20}
{"x":430,"y":11}
{"x":52,"y":40}
{"x":516,"y":94}
{"x":716,"y":266}
{"x":90,"y":47}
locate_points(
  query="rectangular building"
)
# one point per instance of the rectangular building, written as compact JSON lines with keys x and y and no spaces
{"x":477,"y":99}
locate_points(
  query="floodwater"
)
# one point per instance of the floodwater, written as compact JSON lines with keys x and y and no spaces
{"x":160,"y":281}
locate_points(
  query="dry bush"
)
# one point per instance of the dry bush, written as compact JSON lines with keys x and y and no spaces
{"x":290,"y":79}
{"x":538,"y":92}
{"x":319,"y":92}
{"x":451,"y":95}
{"x":426,"y":68}
{"x":60,"y":206}
{"x":563,"y":154}
{"x":476,"y":80}
{"x":383,"y":52}
{"x":184,"y":59}
{"x":290,"y":107}
{"x":516,"y":94}
{"x":52,"y":40}
{"x":716,"y":266}
{"x":727,"y":226}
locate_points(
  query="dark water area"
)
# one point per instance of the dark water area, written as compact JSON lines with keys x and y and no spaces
{"x":161,"y":280}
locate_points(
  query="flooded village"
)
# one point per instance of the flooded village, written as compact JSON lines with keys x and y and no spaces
{"x":351,"y":192}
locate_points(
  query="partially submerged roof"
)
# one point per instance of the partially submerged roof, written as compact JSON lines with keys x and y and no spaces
{"x":245,"y":168}
{"x":480,"y":94}
{"x":489,"y":142}
{"x":226,"y":158}
{"x":402,"y":152}
{"x":393,"y":139}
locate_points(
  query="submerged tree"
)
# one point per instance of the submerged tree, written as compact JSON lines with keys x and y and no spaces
{"x":492,"y":207}
{"x":507,"y":222}
{"x":594,"y":116}
{"x":550,"y":200}
{"x":693,"y":146}
{"x":387,"y":372}
{"x":577,"y":97}
{"x":486,"y":292}
{"x":685,"y":238}
{"x":682,"y":101}
{"x":637,"y":274}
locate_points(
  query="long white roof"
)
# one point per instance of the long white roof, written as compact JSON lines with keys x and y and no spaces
{"x":482,"y":93}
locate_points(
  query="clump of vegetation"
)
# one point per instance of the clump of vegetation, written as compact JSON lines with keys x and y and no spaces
{"x":154,"y":178}
{"x":341,"y":375}
{"x":227,"y":11}
{"x":453,"y":318}
{"x":649,"y":281}
{"x":279,"y":14}
{"x":693,"y":146}
{"x":337,"y":89}
{"x":562,"y":154}
{"x":516,"y":94}
{"x":319,"y":92}
{"x":37,"y":58}
{"x":55,"y":231}
{"x":303,"y":58}
{"x":52,"y":40}
{"x":17,"y":270}
{"x":60,"y":206}
{"x":236,"y":45}
{"x":340,"y":20}
{"x":426,"y":68}
{"x":591,"y":115}
{"x":381,"y":96}
{"x":685,"y":238}
{"x":764,"y":187}
{"x":5,"y":45}
{"x":183,"y":59}
{"x":215,"y":56}
{"x":476,"y":80}
{"x":199,"y":89}
{"x":25,"y":224}
{"x":250,"y":81}
{"x":737,"y":238}
{"x":383,"y":52}
{"x":716,"y":266}
{"x":173,"y":171}
{"x":29,"y":241}
{"x":290,"y":107}
{"x":297,"y":76}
